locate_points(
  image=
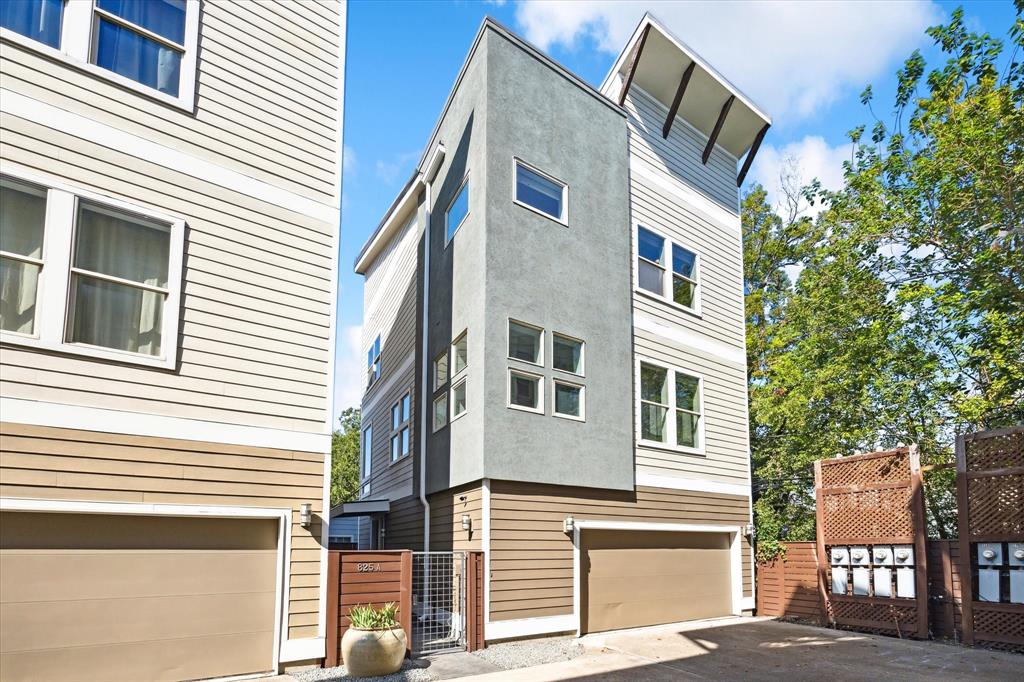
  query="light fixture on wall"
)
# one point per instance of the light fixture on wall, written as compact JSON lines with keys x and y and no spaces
{"x":467,"y":522}
{"x":569,"y":524}
{"x":305,"y":514}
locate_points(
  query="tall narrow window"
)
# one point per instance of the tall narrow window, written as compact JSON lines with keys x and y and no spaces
{"x":459,"y":399}
{"x":653,"y":403}
{"x":540,"y":192}
{"x":678,"y":283}
{"x":457,"y":211}
{"x":400,"y":416}
{"x":441,"y":370}
{"x":687,"y":411}
{"x":119,"y":280}
{"x":670,"y":407}
{"x":373,"y":362}
{"x":367,"y":460}
{"x":36,"y":19}
{"x":22,"y":222}
{"x":525,"y":342}
{"x":143,"y":40}
{"x":684,"y":276}
{"x":460,"y":355}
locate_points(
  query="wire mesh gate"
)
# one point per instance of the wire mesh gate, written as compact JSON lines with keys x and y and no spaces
{"x":438,"y":602}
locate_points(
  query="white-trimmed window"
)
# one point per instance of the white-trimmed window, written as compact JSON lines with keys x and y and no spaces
{"x":373,"y":362}
{"x":541,"y":192}
{"x":525,"y":391}
{"x":457,"y":211}
{"x":440,"y":412}
{"x":400,"y":415}
{"x":441,"y":370}
{"x":367,"y":468}
{"x":458,"y":401}
{"x":86,"y":274}
{"x":568,"y":400}
{"x":667,"y":269}
{"x":525,"y":343}
{"x":147,"y":45}
{"x":671,"y":408}
{"x":567,"y":354}
{"x":460,"y":355}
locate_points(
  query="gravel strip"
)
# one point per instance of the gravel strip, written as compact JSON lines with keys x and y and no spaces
{"x":512,"y":655}
{"x":409,"y":673}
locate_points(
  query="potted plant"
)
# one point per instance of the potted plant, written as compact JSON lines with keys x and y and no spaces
{"x":374,"y":643}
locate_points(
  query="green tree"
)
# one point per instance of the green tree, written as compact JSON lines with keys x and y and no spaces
{"x":345,"y":457}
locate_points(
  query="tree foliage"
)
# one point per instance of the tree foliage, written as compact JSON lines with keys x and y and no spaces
{"x":345,"y":457}
{"x":906,"y":322}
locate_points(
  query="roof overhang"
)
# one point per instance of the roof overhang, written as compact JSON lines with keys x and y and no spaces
{"x":361,"y":508}
{"x":667,"y":69}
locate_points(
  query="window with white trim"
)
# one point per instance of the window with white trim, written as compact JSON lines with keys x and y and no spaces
{"x":566,"y":354}
{"x":525,"y":391}
{"x":146,"y":45}
{"x":667,"y":269}
{"x":525,"y":342}
{"x":400,"y":415}
{"x":441,"y":370}
{"x":568,"y":400}
{"x":670,"y":407}
{"x":460,"y":355}
{"x":87,"y":274}
{"x":373,"y":362}
{"x":458,"y":399}
{"x":541,"y":192}
{"x":440,"y":412}
{"x":367,"y":457}
{"x":457,"y":211}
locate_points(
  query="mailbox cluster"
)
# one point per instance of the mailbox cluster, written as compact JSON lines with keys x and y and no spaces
{"x":996,"y":560}
{"x":871,"y":569}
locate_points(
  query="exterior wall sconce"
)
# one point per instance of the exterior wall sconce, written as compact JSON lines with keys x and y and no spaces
{"x":305,"y":514}
{"x":569,"y":524}
{"x":467,"y":522}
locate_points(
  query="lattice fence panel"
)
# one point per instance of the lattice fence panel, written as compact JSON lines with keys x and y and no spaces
{"x":999,"y":628}
{"x":996,"y":505}
{"x":996,"y":452}
{"x":839,"y":473}
{"x":882,"y":617}
{"x":882,"y":513}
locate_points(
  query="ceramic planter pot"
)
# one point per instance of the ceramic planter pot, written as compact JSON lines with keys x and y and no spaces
{"x":367,"y":653}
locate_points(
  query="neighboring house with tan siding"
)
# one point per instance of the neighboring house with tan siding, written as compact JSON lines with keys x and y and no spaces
{"x":168,"y":238}
{"x":559,"y":289}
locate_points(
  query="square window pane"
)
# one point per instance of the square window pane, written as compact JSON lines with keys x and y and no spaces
{"x":525,"y":391}
{"x":650,"y":246}
{"x":567,"y":354}
{"x":683,"y":262}
{"x":22,"y":218}
{"x":405,"y":442}
{"x":687,"y":429}
{"x":133,"y":56}
{"x":567,"y":400}
{"x":164,"y":17}
{"x":116,"y":316}
{"x":458,"y":211}
{"x":458,"y":399}
{"x":653,"y":384}
{"x":36,"y":19}
{"x":440,"y":412}
{"x":687,"y":393}
{"x":406,"y":404}
{"x":649,"y":277}
{"x":395,"y":445}
{"x":652,"y":422}
{"x":19,"y":283}
{"x":396,"y":416}
{"x":460,"y":354}
{"x":539,"y":192}
{"x":441,"y":371}
{"x":524,"y":342}
{"x":119,"y":245}
{"x":683,"y":291}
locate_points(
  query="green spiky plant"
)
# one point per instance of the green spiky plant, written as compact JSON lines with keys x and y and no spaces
{"x":370,"y":617}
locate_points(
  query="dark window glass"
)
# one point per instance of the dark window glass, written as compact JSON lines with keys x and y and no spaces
{"x":127,"y":53}
{"x":165,"y":18}
{"x":36,"y":19}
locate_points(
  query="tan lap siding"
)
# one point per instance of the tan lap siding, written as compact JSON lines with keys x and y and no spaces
{"x":532,"y":558}
{"x":65,"y":464}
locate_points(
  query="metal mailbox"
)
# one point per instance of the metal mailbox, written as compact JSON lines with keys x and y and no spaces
{"x":840,"y":556}
{"x":881,"y":555}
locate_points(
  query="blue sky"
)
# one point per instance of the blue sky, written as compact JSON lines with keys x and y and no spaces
{"x":804,"y":62}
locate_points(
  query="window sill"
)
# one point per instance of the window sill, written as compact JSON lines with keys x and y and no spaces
{"x":457,"y":417}
{"x":122,"y":357}
{"x":563,"y":223}
{"x":665,"y":447}
{"x":531,"y":410}
{"x":185,"y":103}
{"x":570,"y":417}
{"x":693,"y":312}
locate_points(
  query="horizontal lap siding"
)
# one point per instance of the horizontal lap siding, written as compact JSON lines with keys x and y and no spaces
{"x":66,"y":464}
{"x":532,"y":558}
{"x":446,"y":511}
{"x":405,"y":525}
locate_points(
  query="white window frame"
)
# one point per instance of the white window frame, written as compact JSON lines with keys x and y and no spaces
{"x":450,"y":235}
{"x":540,"y":391}
{"x":666,"y":276}
{"x":516,"y":163}
{"x":462,"y":383}
{"x":374,"y":370}
{"x":77,"y":48}
{"x":670,"y":426}
{"x":451,"y":360}
{"x":435,"y":427}
{"x":438,"y":385}
{"x":365,"y":460}
{"x":53,"y":299}
{"x":582,"y":416}
{"x":403,"y":426}
{"x":540,"y":344}
{"x":583,"y":354}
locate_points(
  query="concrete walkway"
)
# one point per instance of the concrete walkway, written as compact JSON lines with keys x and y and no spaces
{"x":762,"y":649}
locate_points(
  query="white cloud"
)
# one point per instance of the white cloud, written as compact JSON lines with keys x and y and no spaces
{"x":793,"y":58}
{"x":797,"y":164}
{"x":349,"y":160}
{"x":388,"y":171}
{"x":348,"y":369}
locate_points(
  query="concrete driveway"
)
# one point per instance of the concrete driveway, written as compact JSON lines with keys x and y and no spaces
{"x":761,"y":649}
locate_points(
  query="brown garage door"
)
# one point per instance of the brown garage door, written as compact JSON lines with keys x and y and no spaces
{"x":636,"y":578}
{"x":90,"y":597}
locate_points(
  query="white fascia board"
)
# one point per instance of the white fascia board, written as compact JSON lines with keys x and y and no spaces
{"x":304,"y":649}
{"x":730,"y":354}
{"x":527,"y":627}
{"x":699,"y":485}
{"x":392,"y":221}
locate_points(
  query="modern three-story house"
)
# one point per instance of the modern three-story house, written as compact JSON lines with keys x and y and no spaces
{"x":168,"y":235}
{"x":555,"y":340}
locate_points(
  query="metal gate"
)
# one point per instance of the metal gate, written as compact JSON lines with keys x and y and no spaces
{"x":438,"y":602}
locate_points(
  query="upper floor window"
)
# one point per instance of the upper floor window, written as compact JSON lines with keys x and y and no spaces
{"x":147,"y":45}
{"x":457,"y":211}
{"x":460,"y":355}
{"x":667,"y":269}
{"x":373,"y":362}
{"x":541,"y":192}
{"x":441,"y":370}
{"x":87,"y":274}
{"x":400,"y":415}
{"x":525,"y":342}
{"x":670,"y":407}
{"x":367,"y":468}
{"x":566,"y":354}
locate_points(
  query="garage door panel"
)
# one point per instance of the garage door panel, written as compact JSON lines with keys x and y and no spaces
{"x":660,"y":562}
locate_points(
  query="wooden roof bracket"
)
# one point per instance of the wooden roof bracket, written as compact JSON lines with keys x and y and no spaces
{"x":633,"y":64}
{"x":718,"y":128}
{"x":674,"y":109}
{"x":752,"y":153}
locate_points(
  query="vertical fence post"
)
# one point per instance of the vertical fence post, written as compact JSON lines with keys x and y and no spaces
{"x":917,"y":514}
{"x":963,"y":512}
{"x":819,"y":553}
{"x":405,"y":605}
{"x":948,"y":605}
{"x":333,"y":599}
